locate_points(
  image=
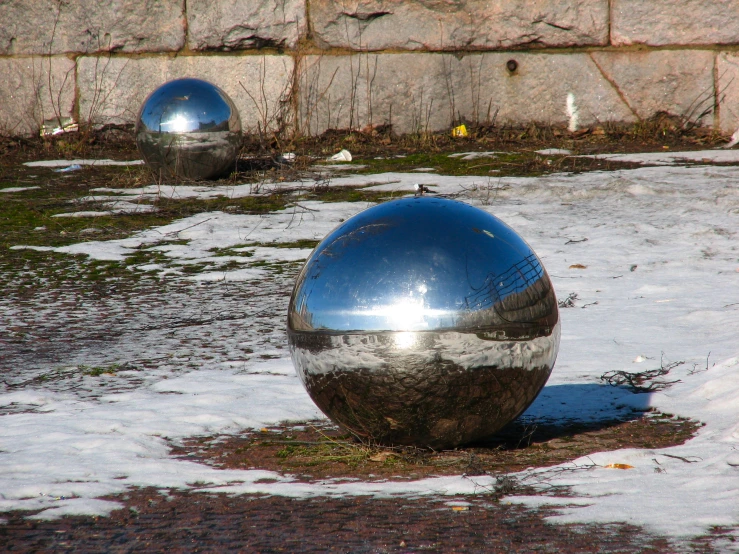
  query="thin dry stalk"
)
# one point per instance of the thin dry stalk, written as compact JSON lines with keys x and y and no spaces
{"x":644,"y":381}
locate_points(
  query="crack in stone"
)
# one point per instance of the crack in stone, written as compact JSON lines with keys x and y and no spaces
{"x":615,"y":86}
{"x":561,"y":27}
{"x":366,"y":17}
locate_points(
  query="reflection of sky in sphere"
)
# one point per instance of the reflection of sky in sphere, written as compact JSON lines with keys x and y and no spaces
{"x":186,"y":105}
{"x":413,"y":264}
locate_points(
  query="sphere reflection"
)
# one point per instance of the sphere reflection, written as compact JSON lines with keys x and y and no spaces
{"x":423,"y":321}
{"x":189,"y":128}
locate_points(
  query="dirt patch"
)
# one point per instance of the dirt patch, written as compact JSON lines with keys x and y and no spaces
{"x":318,"y":450}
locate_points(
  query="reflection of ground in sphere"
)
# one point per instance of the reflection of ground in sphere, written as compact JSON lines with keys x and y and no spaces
{"x":423,"y":321}
{"x":189,"y":128}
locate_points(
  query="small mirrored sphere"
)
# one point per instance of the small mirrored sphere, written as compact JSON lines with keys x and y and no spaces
{"x":189,"y":128}
{"x":423,"y":321}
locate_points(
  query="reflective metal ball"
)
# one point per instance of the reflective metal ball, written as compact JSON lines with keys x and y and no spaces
{"x":423,"y":321}
{"x":189,"y":128}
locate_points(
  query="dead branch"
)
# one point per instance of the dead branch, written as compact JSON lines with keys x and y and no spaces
{"x":688,"y":460}
{"x":643,"y":381}
{"x":568,"y":302}
{"x":696,"y":367}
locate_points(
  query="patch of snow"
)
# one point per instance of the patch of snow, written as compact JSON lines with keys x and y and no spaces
{"x":672,"y":158}
{"x":474,"y":155}
{"x":554,"y":152}
{"x":337,"y":167}
{"x":37,"y":248}
{"x":207,"y":232}
{"x":17,"y":189}
{"x":83,"y":214}
{"x":118,"y":207}
{"x":66,"y":163}
{"x":677,"y":491}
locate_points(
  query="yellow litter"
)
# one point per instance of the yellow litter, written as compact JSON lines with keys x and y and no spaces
{"x":619,"y":466}
{"x":460,"y":131}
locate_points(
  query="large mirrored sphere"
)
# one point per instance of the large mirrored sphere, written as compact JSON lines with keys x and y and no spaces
{"x":423,"y":321}
{"x":189,"y":128}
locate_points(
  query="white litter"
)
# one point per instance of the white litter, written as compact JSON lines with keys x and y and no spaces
{"x":342,"y":156}
{"x":734,"y":140}
{"x":73,"y":167}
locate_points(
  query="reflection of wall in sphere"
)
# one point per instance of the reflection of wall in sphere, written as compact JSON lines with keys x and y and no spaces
{"x":423,"y":321}
{"x":189,"y":128}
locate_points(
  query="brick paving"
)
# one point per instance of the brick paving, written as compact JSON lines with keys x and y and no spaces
{"x":194,"y":522}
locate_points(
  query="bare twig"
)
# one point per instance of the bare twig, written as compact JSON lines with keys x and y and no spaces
{"x":695,"y":367}
{"x":186,"y":228}
{"x":688,"y":460}
{"x":568,"y":302}
{"x":643,"y":381}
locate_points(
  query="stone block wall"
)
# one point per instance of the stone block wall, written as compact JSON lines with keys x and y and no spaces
{"x":420,"y":66}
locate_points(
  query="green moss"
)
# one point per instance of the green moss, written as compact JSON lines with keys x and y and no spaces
{"x":327,"y":450}
{"x":235,"y":250}
{"x":303,"y":243}
{"x":97,"y":371}
{"x":500,"y":163}
{"x":191,"y":269}
{"x":65,"y":373}
{"x":344,"y":194}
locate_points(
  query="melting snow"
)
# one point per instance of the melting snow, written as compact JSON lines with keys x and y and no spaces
{"x":67,"y":163}
{"x":659,"y":246}
{"x":673,"y":158}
